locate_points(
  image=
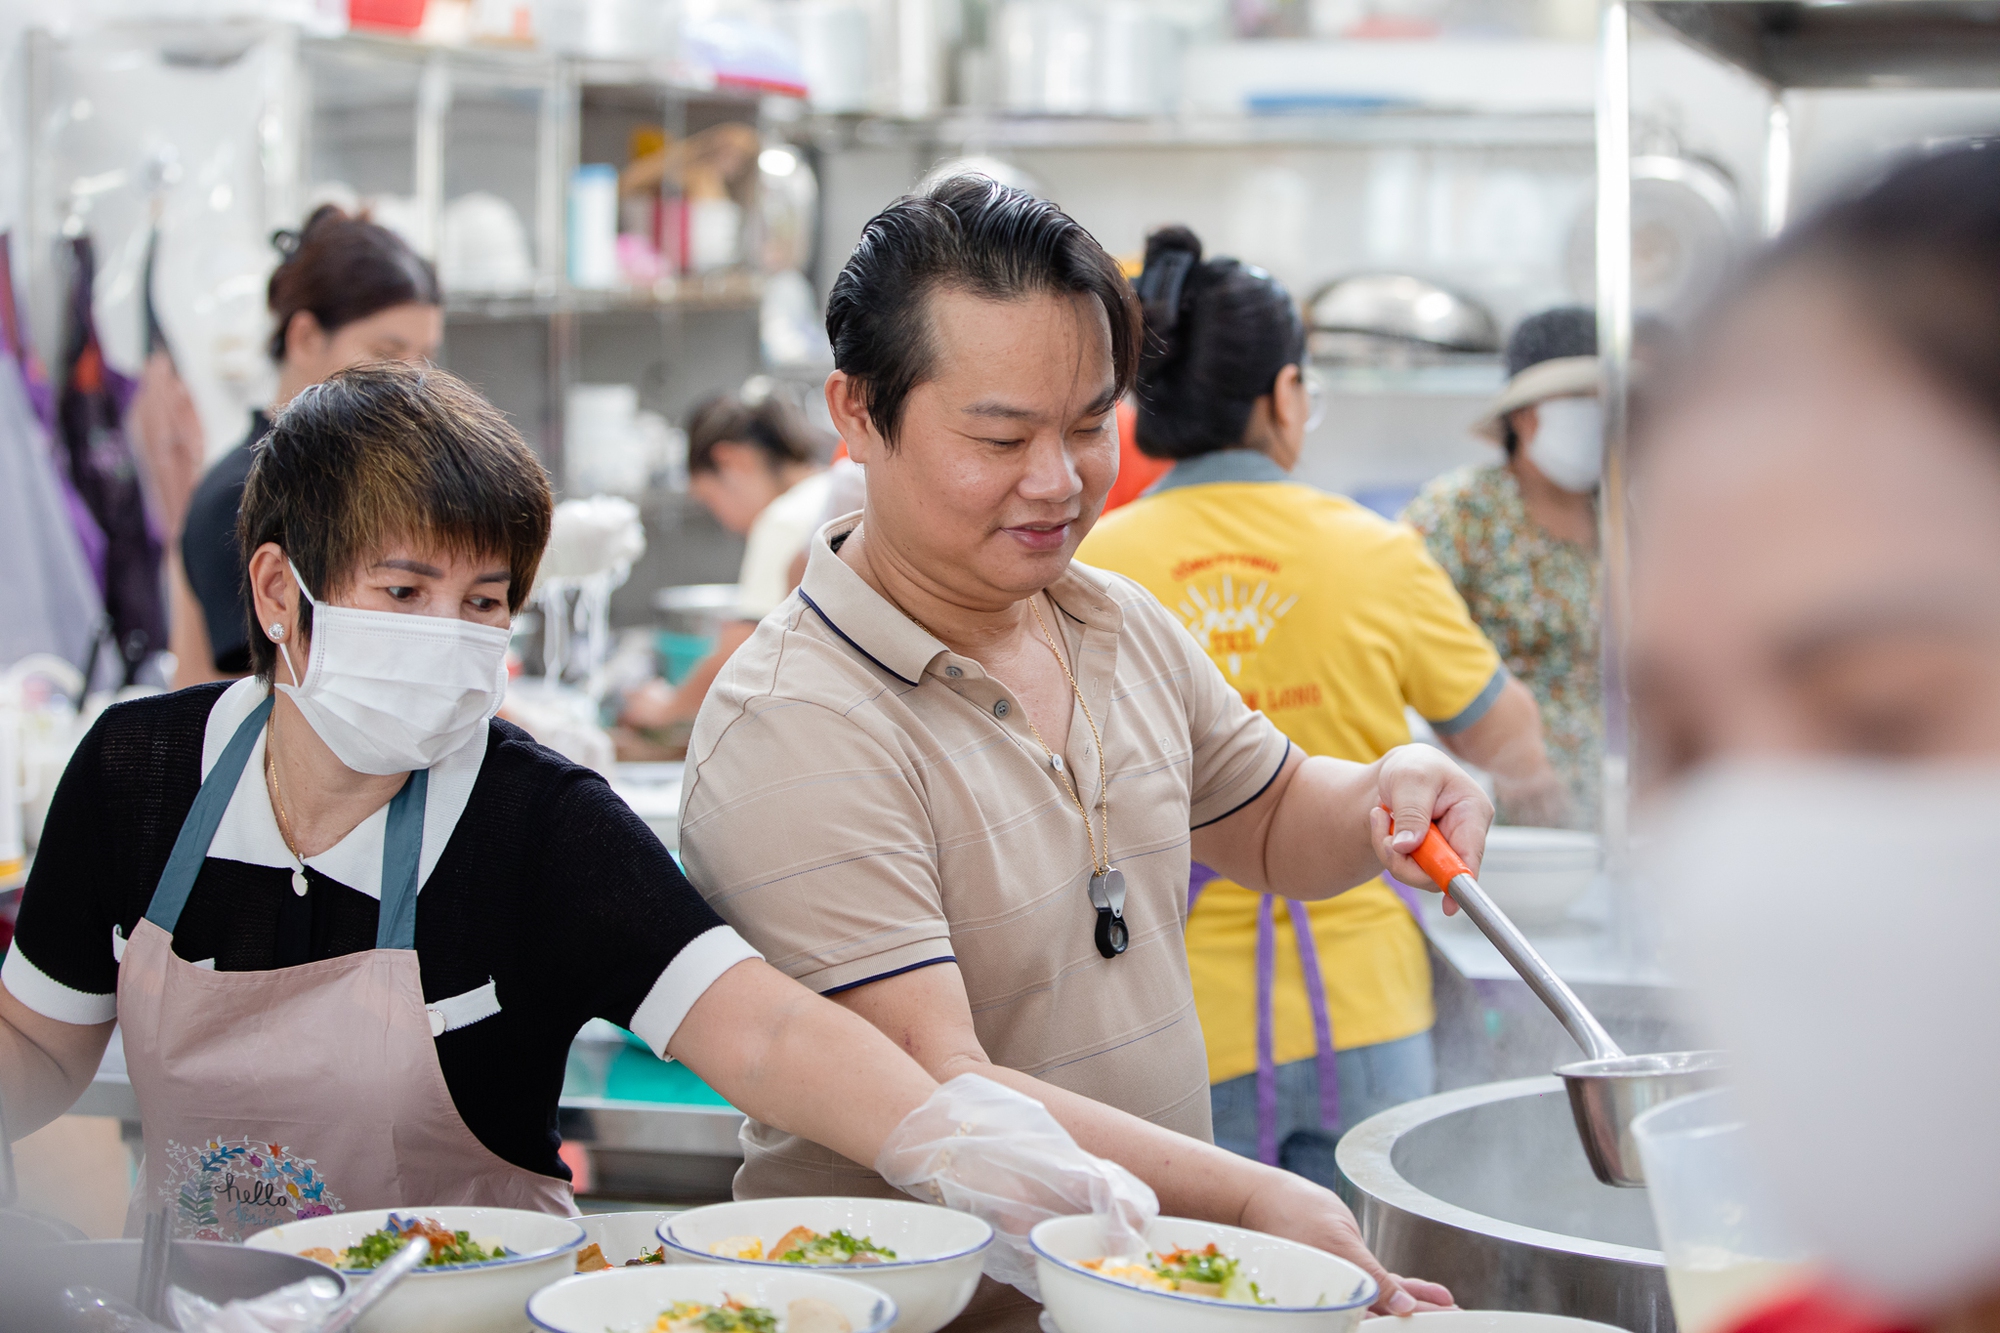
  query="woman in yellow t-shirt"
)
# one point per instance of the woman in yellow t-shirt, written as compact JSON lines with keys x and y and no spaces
{"x":1331,"y":620}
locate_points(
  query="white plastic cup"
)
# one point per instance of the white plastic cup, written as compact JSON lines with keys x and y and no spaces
{"x":1729,"y":1249}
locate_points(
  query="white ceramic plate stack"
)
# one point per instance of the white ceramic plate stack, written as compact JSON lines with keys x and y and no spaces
{"x":1535,"y":875}
{"x":632,"y":1299}
{"x":462,"y":1298}
{"x":1311,"y":1291}
{"x":938,"y":1251}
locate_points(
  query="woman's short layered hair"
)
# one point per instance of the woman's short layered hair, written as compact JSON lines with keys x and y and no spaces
{"x":389,"y":452}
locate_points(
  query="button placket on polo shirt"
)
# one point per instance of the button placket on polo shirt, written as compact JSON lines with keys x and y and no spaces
{"x":1009,"y":716}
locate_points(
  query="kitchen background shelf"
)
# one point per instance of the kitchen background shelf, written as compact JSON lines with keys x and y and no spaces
{"x":1355,"y":126}
{"x":714,"y":291}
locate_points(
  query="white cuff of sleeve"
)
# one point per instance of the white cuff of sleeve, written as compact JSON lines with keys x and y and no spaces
{"x":49,"y":997}
{"x":694,"y":969}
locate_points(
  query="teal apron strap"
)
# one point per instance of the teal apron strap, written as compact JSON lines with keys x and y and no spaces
{"x":203,"y":819}
{"x":402,"y":843}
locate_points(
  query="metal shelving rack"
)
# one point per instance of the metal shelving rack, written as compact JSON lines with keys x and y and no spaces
{"x":447,"y":120}
{"x":1789,"y":48}
{"x":972,"y":132}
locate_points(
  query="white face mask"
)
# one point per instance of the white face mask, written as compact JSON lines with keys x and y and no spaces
{"x":1837,"y":920}
{"x":390,"y":692}
{"x":1569,"y":442}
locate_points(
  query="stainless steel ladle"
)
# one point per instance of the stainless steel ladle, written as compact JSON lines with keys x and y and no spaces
{"x":1608,"y":1090}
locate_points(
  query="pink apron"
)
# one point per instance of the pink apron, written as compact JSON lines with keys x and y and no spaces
{"x":270,"y":1096}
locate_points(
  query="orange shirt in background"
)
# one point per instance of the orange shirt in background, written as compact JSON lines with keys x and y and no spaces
{"x":1135,"y":471}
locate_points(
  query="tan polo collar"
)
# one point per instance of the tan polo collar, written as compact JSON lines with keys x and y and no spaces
{"x":876,"y":629}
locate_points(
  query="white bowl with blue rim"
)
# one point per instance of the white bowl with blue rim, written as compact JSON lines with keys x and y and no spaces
{"x":631,"y":1300}
{"x":487,"y":1297}
{"x":1484,"y":1321}
{"x":938,"y":1251}
{"x":1308,"y":1290}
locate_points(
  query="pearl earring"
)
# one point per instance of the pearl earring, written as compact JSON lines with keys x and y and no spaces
{"x":277,"y":632}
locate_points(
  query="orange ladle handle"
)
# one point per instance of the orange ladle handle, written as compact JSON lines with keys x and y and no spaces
{"x":1436,"y":856}
{"x":1448,"y":869}
{"x":1438,"y":859}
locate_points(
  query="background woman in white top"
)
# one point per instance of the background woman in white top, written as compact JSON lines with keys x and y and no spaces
{"x":759,"y":468}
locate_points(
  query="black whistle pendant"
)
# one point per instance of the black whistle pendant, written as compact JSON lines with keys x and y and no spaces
{"x":1107,"y":895}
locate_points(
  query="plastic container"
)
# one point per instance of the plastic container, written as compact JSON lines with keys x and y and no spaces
{"x":1728,"y":1249}
{"x":593,"y":226}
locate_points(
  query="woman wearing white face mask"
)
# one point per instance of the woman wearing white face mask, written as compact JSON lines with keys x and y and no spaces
{"x":1519,"y":537}
{"x":235,"y":873}
{"x":1816,"y":672}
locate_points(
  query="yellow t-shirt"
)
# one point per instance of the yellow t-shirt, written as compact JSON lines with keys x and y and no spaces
{"x":1330,"y":619}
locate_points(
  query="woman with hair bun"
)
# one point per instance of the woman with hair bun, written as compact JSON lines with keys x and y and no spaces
{"x":1332,"y":622}
{"x":347,"y":290}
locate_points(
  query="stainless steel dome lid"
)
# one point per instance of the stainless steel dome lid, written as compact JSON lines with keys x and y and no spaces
{"x":1406,"y":308}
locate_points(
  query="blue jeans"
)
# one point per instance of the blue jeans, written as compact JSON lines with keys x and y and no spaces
{"x":1372,"y":1079}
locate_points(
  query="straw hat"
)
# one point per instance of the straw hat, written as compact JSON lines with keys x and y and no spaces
{"x":1550,"y":355}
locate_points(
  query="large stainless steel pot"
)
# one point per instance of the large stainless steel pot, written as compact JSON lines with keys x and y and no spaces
{"x":1608,"y":1090}
{"x":1483,"y":1189}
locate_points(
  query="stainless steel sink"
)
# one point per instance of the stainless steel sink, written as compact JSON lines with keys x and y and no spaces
{"x":1486,"y":1190}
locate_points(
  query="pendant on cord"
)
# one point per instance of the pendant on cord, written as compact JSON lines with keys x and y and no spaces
{"x":1107,"y":895}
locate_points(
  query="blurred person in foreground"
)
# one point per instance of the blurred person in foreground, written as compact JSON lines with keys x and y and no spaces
{"x":754,"y":463}
{"x":1331,"y":620}
{"x":956,"y":780}
{"x":347,"y":290}
{"x":1519,"y":536}
{"x":1816,"y":665}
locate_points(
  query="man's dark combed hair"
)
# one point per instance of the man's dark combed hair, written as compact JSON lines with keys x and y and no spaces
{"x":1920,"y":249}
{"x":1217,"y":334}
{"x":386,"y":452}
{"x":970,"y":234}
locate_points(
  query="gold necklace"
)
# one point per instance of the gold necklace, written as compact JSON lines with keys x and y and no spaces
{"x":1097,"y":867}
{"x":278,"y":804}
{"x":1107,"y":882}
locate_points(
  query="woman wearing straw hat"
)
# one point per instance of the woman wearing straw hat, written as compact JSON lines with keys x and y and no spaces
{"x":1519,"y":536}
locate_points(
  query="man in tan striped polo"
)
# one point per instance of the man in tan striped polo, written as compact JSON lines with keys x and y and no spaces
{"x":955,"y":780}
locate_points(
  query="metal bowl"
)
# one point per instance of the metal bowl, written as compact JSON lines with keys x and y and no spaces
{"x":696,"y":608}
{"x":1403,"y":307}
{"x":32,"y":1278}
{"x":1607,"y":1095}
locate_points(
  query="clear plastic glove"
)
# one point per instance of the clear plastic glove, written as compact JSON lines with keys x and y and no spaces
{"x":299,"y":1308}
{"x":987,"y":1150}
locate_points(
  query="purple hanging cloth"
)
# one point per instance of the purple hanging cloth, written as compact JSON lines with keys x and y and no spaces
{"x":90,"y":416}
{"x":14,"y":342}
